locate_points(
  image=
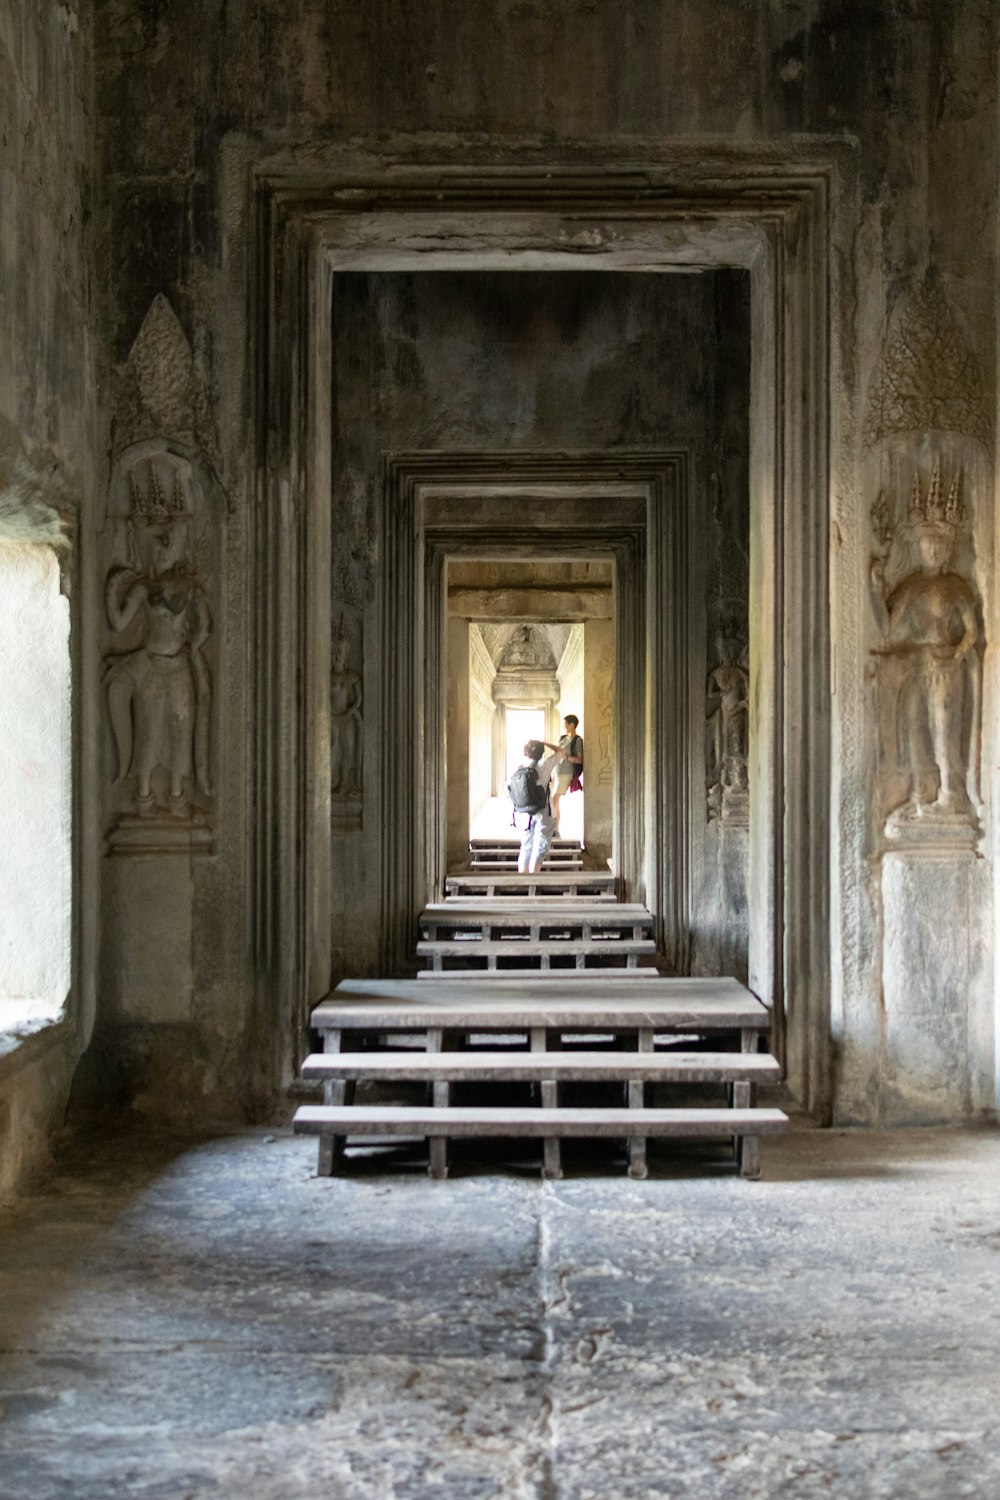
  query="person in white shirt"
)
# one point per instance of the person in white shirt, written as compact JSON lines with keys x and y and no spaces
{"x":536,"y":827}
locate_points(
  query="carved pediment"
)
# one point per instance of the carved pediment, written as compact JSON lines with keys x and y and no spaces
{"x":928,"y":379}
{"x":161,"y":392}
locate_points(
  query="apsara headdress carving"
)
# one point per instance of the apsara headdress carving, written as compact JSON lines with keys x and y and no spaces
{"x":932,"y":507}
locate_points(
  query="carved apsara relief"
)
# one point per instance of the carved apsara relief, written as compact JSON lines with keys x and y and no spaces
{"x":727,"y":687}
{"x":346,"y":724}
{"x":929,"y":412}
{"x":727,"y":706}
{"x":929,"y":665}
{"x":163,"y":548}
{"x":605,"y":740}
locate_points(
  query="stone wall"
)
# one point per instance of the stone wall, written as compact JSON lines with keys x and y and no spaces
{"x":899,"y":101}
{"x":49,"y":473}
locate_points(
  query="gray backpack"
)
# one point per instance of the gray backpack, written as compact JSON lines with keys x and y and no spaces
{"x":526,"y":791}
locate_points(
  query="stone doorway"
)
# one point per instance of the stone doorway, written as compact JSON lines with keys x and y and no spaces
{"x":527,"y":643}
{"x":734,"y":217}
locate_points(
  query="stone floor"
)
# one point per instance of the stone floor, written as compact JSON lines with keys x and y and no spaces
{"x":183,"y":1319}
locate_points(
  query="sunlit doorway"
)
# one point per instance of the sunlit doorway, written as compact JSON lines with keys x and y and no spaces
{"x":523,"y":724}
{"x":524,"y":675}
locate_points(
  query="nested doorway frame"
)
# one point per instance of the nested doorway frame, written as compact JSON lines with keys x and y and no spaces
{"x":659,"y":215}
{"x":638,"y":504}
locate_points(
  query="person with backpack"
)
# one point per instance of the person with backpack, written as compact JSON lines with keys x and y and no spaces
{"x":570,"y":767}
{"x":532,"y":809}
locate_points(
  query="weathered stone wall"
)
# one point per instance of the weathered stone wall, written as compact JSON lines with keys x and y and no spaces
{"x":49,"y":466}
{"x":899,"y":97}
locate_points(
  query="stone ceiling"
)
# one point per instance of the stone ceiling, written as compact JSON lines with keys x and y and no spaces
{"x":499,"y":634}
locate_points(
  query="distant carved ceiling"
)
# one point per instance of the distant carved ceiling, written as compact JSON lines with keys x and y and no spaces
{"x":551,"y":640}
{"x":509,"y":574}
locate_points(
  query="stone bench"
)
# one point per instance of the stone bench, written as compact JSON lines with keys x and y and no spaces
{"x":417,"y":1032}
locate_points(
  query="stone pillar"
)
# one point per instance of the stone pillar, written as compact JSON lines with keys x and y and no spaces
{"x":598,"y":730}
{"x":457,"y":742}
{"x":938,"y":1030}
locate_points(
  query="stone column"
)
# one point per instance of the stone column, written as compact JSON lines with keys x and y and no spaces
{"x":598,"y":728}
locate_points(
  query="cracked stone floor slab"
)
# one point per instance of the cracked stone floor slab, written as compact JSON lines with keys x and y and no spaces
{"x":191,"y":1320}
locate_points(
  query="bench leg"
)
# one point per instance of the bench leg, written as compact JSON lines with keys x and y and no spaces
{"x":437,"y":1145}
{"x":551,"y":1145}
{"x":748,"y":1156}
{"x":438,"y":1154}
{"x":331,"y":1147}
{"x":637,"y":1163}
{"x":747,"y":1146}
{"x":330,"y":1151}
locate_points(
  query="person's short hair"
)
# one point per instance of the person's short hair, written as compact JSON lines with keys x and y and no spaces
{"x":571,"y":719}
{"x":534,"y":750}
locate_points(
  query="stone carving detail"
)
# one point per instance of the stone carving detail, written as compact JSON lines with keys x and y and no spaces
{"x":727,"y":688}
{"x":157,"y":679}
{"x":929,"y":677}
{"x":160,"y":391}
{"x":163,"y":562}
{"x":346,"y":729}
{"x":605,"y":730}
{"x":527,"y":649}
{"x":728,"y":729}
{"x":928,"y":379}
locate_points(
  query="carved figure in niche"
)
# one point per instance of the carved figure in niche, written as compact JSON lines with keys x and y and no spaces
{"x":930,"y":623}
{"x":346,"y":745}
{"x":159,"y":695}
{"x":604,"y":731}
{"x":728,"y":725}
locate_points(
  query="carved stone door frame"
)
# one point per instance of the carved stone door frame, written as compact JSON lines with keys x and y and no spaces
{"x":657,"y":208}
{"x":457,"y":506}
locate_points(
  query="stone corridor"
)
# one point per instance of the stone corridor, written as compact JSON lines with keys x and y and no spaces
{"x":192,"y":1320}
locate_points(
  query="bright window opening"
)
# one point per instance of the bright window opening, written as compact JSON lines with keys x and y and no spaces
{"x":523,"y":724}
{"x":36,"y":806}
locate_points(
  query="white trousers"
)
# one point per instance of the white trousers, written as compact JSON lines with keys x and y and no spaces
{"x":536,"y":836}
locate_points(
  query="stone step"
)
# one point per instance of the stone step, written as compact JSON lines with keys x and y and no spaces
{"x":641,"y":971}
{"x":503,"y":846}
{"x":532,"y":953}
{"x":612,"y":1001}
{"x":455,"y":914}
{"x":509,"y":849}
{"x":527,"y":947}
{"x":480,"y":1120}
{"x":575,"y":883}
{"x":534,"y":903}
{"x":513,"y":840}
{"x":510,"y":866}
{"x":519,"y":1067}
{"x":335,"y":1124}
